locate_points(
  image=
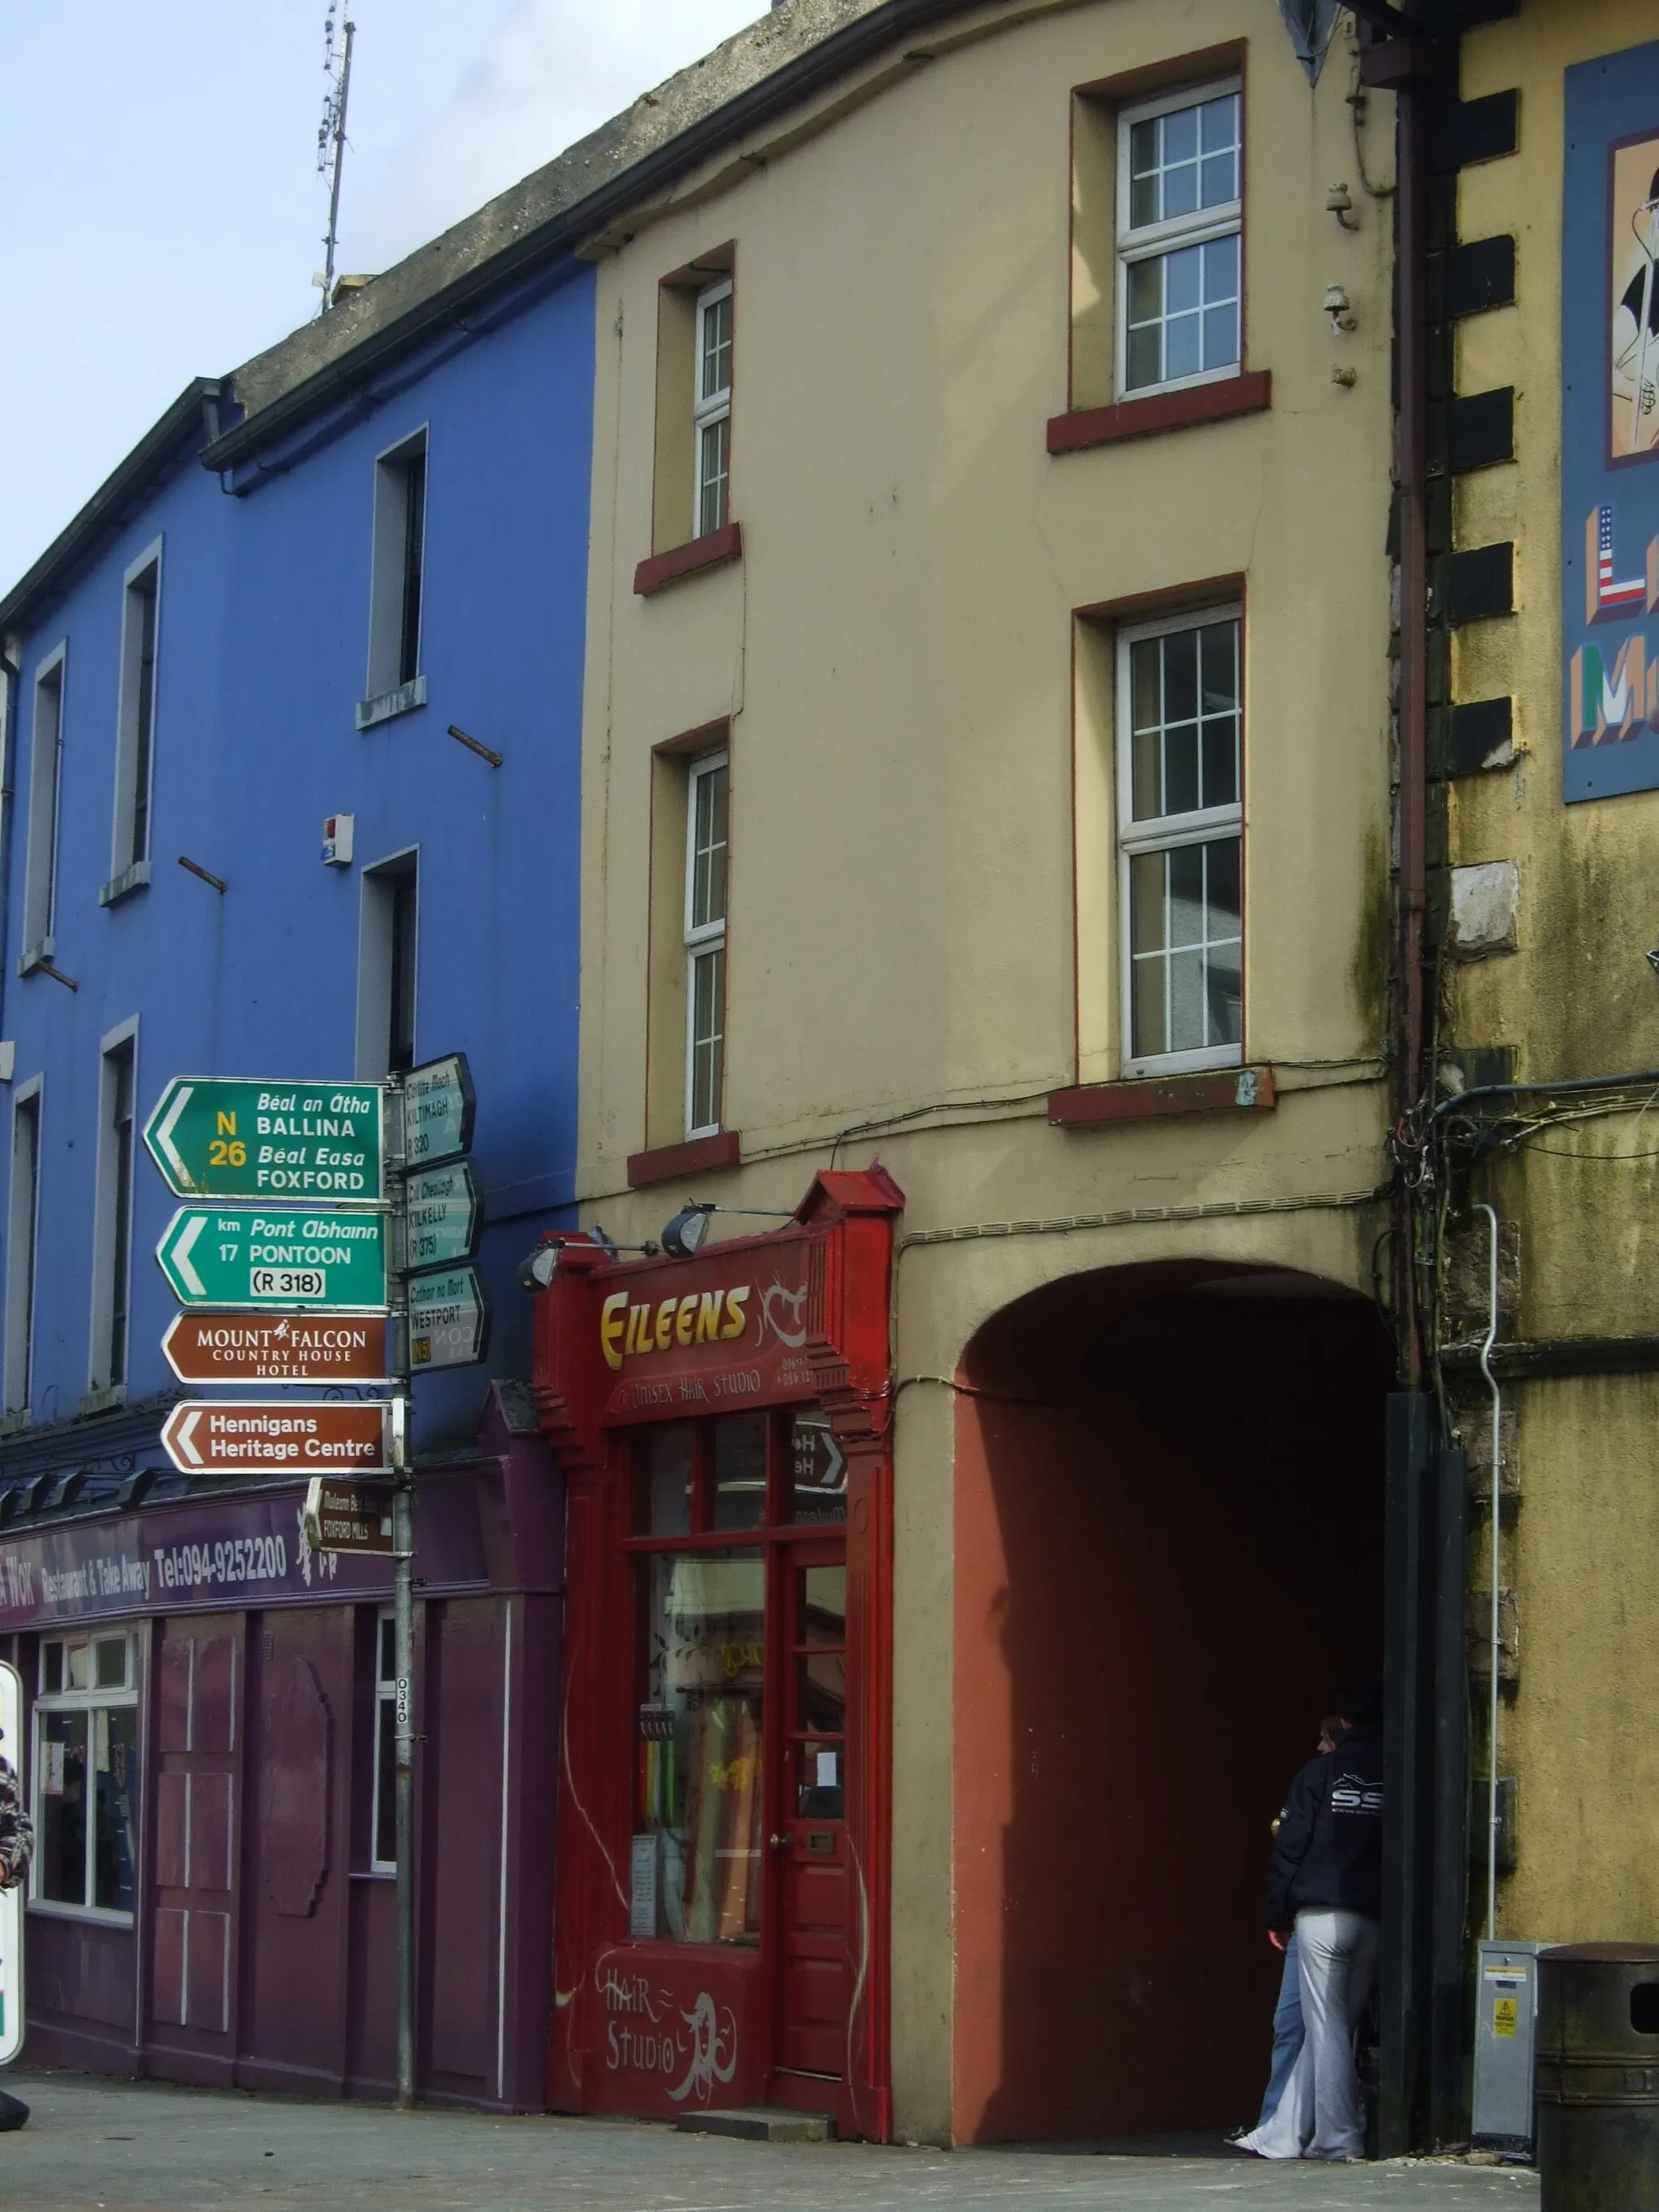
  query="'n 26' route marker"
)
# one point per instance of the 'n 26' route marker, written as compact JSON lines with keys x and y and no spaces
{"x":213,"y":1137}
{"x":250,"y":1256}
{"x":273,"y":1435}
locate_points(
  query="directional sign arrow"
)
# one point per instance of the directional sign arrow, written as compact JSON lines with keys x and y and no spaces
{"x":216,"y":1137}
{"x":445,"y":1208}
{"x":233,"y":1436}
{"x":277,"y":1347}
{"x":448,"y":1319}
{"x":249,"y":1257}
{"x":439,"y":1102}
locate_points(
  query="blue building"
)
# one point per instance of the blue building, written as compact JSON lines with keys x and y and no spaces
{"x":292,"y":745}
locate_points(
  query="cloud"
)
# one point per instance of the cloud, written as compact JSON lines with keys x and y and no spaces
{"x":553,"y":71}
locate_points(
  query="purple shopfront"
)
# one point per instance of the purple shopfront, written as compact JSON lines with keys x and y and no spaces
{"x":209,"y":1756}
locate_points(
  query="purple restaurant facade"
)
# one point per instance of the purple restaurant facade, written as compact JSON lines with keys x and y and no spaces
{"x":217,"y":1907}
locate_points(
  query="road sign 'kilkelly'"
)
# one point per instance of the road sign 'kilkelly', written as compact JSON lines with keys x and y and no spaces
{"x":444,"y":1210}
{"x":248,"y":1256}
{"x":240,"y":1437}
{"x":212,"y":1137}
{"x":295,"y":1347}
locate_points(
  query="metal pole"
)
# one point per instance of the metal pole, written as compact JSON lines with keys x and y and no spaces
{"x":403,"y":1540}
{"x":337,"y":165}
{"x":1496,"y":1563}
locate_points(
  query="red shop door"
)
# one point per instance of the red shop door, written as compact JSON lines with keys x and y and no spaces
{"x":193,"y":1963}
{"x":815,"y":1981}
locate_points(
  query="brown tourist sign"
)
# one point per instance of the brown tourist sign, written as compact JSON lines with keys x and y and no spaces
{"x":276,"y":1436}
{"x":348,"y":1517}
{"x":299,"y":1347}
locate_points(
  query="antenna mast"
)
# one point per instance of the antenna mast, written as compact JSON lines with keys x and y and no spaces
{"x":332,"y":138}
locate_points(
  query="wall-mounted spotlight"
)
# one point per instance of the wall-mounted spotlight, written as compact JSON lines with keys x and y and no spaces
{"x":536,"y":1271}
{"x":538,"y":1267}
{"x":687,"y":1233}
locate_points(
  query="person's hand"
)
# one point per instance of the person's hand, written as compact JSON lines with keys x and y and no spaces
{"x":1279,"y":1937}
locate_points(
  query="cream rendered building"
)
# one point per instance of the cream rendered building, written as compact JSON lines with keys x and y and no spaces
{"x":898,"y":527}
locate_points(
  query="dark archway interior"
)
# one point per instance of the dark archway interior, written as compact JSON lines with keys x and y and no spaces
{"x":1168,"y":1557}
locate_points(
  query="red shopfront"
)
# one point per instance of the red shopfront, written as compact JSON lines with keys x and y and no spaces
{"x":722,"y":1865}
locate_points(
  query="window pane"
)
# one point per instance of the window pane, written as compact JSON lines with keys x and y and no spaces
{"x":820,"y":1780}
{"x":707,"y":1020}
{"x":1185,"y":937}
{"x":821,"y":1603}
{"x":51,"y":1668}
{"x":1218,"y":141}
{"x":1220,"y":303}
{"x":714,"y":449}
{"x":1188,"y":1027}
{"x":821,"y":1692}
{"x":1225,"y":985}
{"x":1143,"y":172}
{"x":818,"y":1468}
{"x":740,"y":1472}
{"x":115,"y":1788}
{"x":699,"y":1793}
{"x":385,"y":1783}
{"x":1144,"y":361}
{"x":111,"y":1663}
{"x":388,"y":1651}
{"x":667,"y":1453}
{"x":79,"y":1659}
{"x":60,"y":1853}
{"x":1184,"y":887}
{"x":708,"y":847}
{"x":717,"y":347}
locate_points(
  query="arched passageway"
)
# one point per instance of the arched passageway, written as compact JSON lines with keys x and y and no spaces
{"x":1169,"y":1556}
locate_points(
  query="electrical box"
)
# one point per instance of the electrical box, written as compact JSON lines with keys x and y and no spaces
{"x":1505,"y":2045}
{"x":337,"y":834}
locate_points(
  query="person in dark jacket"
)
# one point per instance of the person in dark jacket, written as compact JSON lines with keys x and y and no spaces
{"x":16,"y":1849}
{"x":1325,"y":1884}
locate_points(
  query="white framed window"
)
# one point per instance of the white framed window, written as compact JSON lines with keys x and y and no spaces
{"x":396,"y":582}
{"x":712,"y":432}
{"x":1180,"y":295}
{"x":112,"y":1256}
{"x":135,"y":728}
{"x":46,"y":776}
{"x":86,"y":1794}
{"x":383,"y":1804}
{"x":708,"y":852}
{"x":22,"y":1231}
{"x":1181,"y":841}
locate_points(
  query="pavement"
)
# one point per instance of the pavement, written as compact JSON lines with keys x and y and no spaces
{"x":101,"y":2145}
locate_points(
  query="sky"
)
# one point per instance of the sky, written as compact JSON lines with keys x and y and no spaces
{"x":162,"y":214}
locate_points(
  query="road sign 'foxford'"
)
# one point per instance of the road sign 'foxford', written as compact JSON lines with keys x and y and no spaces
{"x":212,"y":1137}
{"x":246,"y":1257}
{"x":439,"y":1102}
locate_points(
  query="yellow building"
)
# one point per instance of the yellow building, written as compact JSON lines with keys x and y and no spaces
{"x":1066,"y":787}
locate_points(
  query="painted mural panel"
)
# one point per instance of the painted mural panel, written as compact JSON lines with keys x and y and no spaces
{"x":1610,"y":426}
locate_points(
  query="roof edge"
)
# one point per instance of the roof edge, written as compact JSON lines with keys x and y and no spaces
{"x":101,"y":510}
{"x":797,"y":80}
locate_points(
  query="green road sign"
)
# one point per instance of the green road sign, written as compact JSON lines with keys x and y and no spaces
{"x":212,"y":1137}
{"x":445,"y":1210}
{"x":448,"y":1319}
{"x":247,"y":1257}
{"x":438,"y":1107}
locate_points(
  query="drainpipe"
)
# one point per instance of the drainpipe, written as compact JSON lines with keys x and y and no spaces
{"x":1411,"y":481}
{"x":1497,"y":1624}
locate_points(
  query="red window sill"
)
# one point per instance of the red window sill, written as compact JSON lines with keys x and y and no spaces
{"x":710,"y":551}
{"x":699,"y":1155}
{"x":1222,"y":1089}
{"x":1160,"y":410}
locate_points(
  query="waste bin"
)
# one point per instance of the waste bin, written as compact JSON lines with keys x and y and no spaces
{"x":1598,"y":2077}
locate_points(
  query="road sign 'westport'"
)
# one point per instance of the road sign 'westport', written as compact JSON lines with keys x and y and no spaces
{"x":448,"y":1319}
{"x":231,"y":1437}
{"x":347,"y":1516}
{"x":249,"y":1257}
{"x":439,"y":1102}
{"x":213,"y":1138}
{"x":444,"y":1212}
{"x":293,"y":1348}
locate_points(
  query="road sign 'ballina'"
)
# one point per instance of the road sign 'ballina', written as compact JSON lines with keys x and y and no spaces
{"x":213,"y":1138}
{"x":230,"y":1436}
{"x":248,"y":1257}
{"x":240,"y":1347}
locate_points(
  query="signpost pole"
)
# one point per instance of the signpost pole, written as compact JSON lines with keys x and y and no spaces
{"x":403,"y":1542}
